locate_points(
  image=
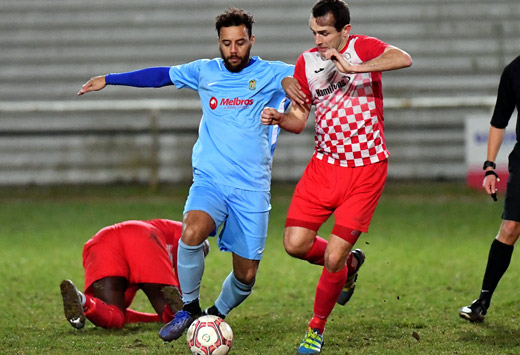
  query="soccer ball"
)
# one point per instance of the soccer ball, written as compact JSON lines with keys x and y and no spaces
{"x":209,"y":335}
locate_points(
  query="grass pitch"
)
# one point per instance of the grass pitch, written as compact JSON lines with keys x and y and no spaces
{"x":426,"y":253}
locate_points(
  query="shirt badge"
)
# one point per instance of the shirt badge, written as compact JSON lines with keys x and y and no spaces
{"x":252,"y":84}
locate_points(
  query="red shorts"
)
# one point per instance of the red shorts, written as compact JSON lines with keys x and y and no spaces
{"x":134,"y":250}
{"x":351,"y":194}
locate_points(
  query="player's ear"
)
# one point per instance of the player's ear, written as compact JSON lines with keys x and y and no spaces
{"x":252,"y":39}
{"x":346,"y":30}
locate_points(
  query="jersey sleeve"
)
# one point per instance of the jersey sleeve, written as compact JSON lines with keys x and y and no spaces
{"x":369,"y":48}
{"x":301,"y":76}
{"x":505,"y":104}
{"x":149,"y":77}
{"x":187,"y":75}
{"x":284,"y":70}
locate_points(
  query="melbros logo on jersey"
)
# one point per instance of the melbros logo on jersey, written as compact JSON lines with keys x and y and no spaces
{"x":229,"y":103}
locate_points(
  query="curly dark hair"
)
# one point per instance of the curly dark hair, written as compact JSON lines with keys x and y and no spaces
{"x":235,"y":17}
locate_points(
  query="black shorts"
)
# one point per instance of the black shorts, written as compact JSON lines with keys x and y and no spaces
{"x":512,"y":201}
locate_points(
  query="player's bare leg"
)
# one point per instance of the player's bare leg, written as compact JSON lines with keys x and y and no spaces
{"x":111,"y":290}
{"x":107,"y":307}
{"x":236,"y":288}
{"x":161,"y":296}
{"x":298,"y":241}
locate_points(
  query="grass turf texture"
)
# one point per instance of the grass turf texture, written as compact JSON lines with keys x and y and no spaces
{"x":426,"y":253}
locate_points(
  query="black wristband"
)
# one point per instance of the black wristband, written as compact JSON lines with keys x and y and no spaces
{"x":491,"y":172}
{"x":488,"y":164}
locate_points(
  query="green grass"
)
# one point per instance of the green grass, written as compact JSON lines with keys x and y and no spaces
{"x":426,"y":253}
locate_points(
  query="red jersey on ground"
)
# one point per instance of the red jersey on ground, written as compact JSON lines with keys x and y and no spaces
{"x":140,"y":251}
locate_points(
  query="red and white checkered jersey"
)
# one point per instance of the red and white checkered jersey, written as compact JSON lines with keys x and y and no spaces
{"x":349,"y":107}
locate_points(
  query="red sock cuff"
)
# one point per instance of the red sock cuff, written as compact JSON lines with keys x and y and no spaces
{"x":335,"y":277}
{"x":316,"y":255}
{"x":132,"y":316}
{"x":105,"y":315}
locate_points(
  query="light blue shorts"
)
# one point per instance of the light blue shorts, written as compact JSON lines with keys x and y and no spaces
{"x":242,"y":214}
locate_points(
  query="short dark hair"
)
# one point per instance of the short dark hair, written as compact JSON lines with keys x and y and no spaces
{"x":338,"y":8}
{"x":235,"y":17}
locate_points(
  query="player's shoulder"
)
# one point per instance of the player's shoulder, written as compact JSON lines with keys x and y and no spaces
{"x":272,"y":63}
{"x":514,"y":65}
{"x":310,"y":55}
{"x":362,"y":37}
{"x":311,"y":52}
{"x":207,"y":62}
{"x":272,"y":66}
{"x":365,"y":41}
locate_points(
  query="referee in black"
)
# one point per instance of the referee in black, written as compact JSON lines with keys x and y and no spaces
{"x":502,"y":247}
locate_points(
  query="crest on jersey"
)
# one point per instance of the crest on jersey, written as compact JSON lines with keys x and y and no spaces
{"x":252,"y":84}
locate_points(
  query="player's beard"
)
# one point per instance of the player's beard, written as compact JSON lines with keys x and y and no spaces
{"x":236,"y":67}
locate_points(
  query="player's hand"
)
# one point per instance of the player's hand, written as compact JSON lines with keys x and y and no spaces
{"x":270,"y":116}
{"x":94,"y":84}
{"x":294,"y":91}
{"x":341,"y":63}
{"x":489,"y":184}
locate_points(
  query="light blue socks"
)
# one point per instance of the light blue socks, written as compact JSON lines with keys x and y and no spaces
{"x":190,"y":268}
{"x":233,"y":293}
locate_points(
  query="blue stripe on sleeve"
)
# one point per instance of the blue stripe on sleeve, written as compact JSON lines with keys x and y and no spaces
{"x":154,"y":77}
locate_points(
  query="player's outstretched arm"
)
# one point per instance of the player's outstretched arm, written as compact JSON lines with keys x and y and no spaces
{"x":154,"y":77}
{"x":94,"y":84}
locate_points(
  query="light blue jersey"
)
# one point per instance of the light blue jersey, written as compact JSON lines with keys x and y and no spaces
{"x":233,"y":147}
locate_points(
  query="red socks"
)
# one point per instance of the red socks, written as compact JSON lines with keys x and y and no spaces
{"x":316,"y":254}
{"x":140,"y":317}
{"x":109,"y":316}
{"x":102,"y":314}
{"x":167,"y":314}
{"x":327,"y":293}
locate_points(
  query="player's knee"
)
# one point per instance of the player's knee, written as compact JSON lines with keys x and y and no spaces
{"x":334,"y":262}
{"x":295,"y":246}
{"x":509,"y":232}
{"x":293,"y":249}
{"x":247,"y":277}
{"x":193,"y":235}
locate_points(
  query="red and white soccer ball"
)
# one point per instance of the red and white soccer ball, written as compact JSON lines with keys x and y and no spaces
{"x":209,"y":335}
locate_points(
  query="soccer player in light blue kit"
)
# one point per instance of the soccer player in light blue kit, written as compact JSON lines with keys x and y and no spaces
{"x":231,"y":159}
